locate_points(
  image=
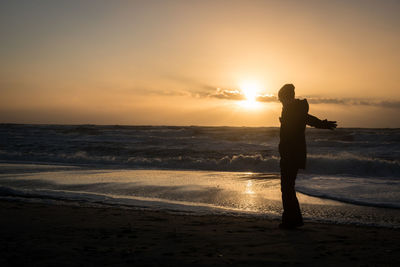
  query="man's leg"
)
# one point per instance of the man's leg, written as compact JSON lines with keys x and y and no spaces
{"x":291,"y":216}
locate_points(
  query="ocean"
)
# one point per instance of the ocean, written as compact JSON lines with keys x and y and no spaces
{"x":352,"y":174}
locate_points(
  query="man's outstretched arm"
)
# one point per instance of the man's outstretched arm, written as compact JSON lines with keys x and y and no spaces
{"x":320,"y":124}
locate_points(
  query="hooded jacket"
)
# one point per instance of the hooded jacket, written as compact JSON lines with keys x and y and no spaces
{"x":294,"y":118}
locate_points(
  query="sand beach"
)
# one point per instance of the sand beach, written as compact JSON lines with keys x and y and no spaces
{"x":35,"y":234}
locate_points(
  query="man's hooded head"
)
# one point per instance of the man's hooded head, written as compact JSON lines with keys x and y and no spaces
{"x":286,"y":93}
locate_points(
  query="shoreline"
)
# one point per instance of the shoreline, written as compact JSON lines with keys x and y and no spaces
{"x":44,"y":235}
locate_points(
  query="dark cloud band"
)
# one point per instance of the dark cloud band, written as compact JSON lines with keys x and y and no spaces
{"x":238,"y":95}
{"x":356,"y":102}
{"x":228,"y":94}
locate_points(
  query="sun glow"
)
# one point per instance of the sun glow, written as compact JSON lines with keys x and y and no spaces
{"x":250,"y":91}
{"x":249,"y":188}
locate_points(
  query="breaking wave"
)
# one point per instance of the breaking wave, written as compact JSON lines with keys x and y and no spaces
{"x":343,"y":164}
{"x":357,"y":152}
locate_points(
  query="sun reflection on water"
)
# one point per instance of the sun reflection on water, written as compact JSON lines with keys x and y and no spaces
{"x":249,"y":188}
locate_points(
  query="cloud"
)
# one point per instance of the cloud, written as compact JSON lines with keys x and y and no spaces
{"x":227,"y":94}
{"x":356,"y":102}
{"x":390,"y":104}
{"x":238,"y":95}
{"x":316,"y":100}
{"x":267,"y":98}
{"x":202,"y":90}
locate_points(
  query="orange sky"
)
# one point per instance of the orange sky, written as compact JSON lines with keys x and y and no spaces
{"x":162,"y":62}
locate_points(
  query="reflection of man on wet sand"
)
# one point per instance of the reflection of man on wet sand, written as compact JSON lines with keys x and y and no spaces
{"x":292,"y":148}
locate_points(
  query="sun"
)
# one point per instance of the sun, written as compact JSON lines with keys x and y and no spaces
{"x":250,"y":92}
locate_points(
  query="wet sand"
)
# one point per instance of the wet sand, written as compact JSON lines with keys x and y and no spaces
{"x":50,"y":235}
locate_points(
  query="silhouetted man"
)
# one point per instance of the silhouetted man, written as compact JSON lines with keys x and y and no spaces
{"x":292,"y":148}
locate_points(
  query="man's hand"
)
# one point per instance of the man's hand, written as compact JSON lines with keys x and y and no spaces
{"x":331,"y":125}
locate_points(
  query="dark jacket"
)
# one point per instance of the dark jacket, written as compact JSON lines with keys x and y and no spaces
{"x":292,"y":146}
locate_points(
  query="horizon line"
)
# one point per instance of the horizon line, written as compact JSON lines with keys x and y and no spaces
{"x":170,"y":125}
